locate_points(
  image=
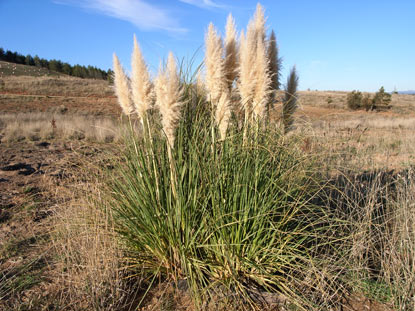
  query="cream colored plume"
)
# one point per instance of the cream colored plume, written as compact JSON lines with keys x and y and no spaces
{"x":215,"y":74}
{"x":263,"y":81}
{"x":140,"y":82}
{"x":246,"y":80}
{"x":259,"y":22}
{"x":168,"y":95}
{"x":223,"y":114}
{"x":122,"y":87}
{"x":231,"y":52}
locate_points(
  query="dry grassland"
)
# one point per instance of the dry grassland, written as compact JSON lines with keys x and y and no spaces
{"x":51,"y":127}
{"x":363,"y":139}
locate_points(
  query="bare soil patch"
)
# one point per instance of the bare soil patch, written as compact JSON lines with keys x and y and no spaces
{"x":31,"y":175}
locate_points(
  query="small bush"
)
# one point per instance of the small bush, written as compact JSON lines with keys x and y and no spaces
{"x":354,"y":100}
{"x":382,"y":100}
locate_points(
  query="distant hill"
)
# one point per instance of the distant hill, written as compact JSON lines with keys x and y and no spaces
{"x":12,"y":69}
{"x":55,"y":65}
{"x":410,"y":92}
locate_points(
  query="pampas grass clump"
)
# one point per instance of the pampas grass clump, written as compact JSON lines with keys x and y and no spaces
{"x":220,"y":214}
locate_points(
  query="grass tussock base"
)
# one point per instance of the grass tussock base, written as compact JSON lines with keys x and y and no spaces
{"x":91,"y":259}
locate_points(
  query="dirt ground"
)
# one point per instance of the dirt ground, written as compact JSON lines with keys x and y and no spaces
{"x":32,"y":174}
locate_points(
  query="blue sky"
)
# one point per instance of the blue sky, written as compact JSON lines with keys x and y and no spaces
{"x":335,"y":44}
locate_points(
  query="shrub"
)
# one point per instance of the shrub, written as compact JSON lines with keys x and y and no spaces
{"x":354,"y":100}
{"x":381,"y":100}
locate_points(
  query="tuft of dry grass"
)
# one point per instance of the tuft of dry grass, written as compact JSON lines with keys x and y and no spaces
{"x":91,"y":259}
{"x":398,"y":240}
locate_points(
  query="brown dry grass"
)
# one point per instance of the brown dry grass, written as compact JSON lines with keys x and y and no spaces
{"x":91,"y":259}
{"x":360,"y":139}
{"x":45,"y":93}
{"x":56,"y":85}
{"x":50,"y":126}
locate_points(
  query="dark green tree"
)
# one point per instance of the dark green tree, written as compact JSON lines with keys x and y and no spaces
{"x":66,"y":69}
{"x":37,"y":62}
{"x":10,"y":56}
{"x":29,"y":60}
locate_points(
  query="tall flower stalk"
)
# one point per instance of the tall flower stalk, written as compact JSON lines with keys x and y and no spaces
{"x":168,"y":100}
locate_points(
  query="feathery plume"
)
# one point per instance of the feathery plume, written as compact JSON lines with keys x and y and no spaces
{"x":223,"y":114}
{"x":290,"y":102}
{"x":246,"y":81}
{"x":215,"y":75}
{"x":168,"y":93}
{"x":142,"y":92}
{"x":216,"y":79}
{"x":122,"y":87}
{"x":231,"y":52}
{"x":263,"y":82}
{"x":259,"y":22}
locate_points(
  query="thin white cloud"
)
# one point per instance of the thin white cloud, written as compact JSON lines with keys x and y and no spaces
{"x":203,"y":3}
{"x":138,"y":12}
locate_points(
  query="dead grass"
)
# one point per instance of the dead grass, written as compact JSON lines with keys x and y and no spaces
{"x":47,"y":125}
{"x":92,"y":261}
{"x":56,"y":85}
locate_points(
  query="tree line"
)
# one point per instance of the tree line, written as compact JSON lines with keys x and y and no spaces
{"x":89,"y":72}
